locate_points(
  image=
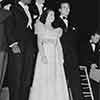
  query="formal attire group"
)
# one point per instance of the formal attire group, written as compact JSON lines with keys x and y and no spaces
{"x":28,"y":78}
{"x":49,"y":80}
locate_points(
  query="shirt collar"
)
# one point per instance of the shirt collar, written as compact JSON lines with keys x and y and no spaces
{"x":22,"y":4}
{"x":92,"y":42}
{"x":61,"y":16}
{"x":39,"y":5}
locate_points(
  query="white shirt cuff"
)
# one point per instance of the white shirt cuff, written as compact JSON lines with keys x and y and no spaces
{"x":15,"y":43}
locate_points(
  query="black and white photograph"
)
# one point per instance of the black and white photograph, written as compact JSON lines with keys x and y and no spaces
{"x":49,"y":50}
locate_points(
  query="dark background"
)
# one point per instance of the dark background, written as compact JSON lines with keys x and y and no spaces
{"x":84,"y":14}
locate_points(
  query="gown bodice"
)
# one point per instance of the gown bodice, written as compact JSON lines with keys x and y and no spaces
{"x":51,"y":39}
{"x":45,"y":33}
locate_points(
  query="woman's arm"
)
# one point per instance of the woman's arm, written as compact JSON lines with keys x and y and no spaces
{"x":42,"y":50}
{"x":40,"y":46}
{"x":59,"y":32}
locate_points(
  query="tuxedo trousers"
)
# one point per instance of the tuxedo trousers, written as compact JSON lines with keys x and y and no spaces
{"x":20,"y":72}
{"x":72,"y":72}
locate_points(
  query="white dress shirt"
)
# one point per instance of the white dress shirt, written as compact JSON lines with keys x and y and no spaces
{"x":93,"y":46}
{"x":7,"y":7}
{"x":65,"y":21}
{"x":40,"y":6}
{"x":26,"y":9}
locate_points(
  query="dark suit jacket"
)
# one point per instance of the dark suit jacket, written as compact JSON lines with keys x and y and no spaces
{"x":18,"y":27}
{"x":69,"y":42}
{"x":93,"y":57}
{"x":87,"y":56}
{"x":18,"y":32}
{"x":34,"y":11}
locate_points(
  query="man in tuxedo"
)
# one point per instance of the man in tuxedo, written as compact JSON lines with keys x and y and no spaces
{"x":90,"y":58}
{"x":37,"y":8}
{"x":21,"y":51}
{"x":93,"y":61}
{"x":69,"y":45}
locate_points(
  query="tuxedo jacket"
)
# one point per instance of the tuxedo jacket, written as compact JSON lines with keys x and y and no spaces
{"x":69,"y":44}
{"x":88,"y":56}
{"x":35,"y":11}
{"x":18,"y":27}
{"x":93,"y":55}
{"x":69,"y":37}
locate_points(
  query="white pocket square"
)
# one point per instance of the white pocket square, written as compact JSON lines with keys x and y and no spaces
{"x":35,"y":16}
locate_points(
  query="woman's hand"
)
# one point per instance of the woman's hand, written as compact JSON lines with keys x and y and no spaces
{"x":44,"y":59}
{"x":60,"y":32}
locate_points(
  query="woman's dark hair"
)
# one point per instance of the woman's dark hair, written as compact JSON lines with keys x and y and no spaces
{"x":44,"y":15}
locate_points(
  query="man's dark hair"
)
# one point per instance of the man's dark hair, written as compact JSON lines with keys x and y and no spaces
{"x":62,"y":2}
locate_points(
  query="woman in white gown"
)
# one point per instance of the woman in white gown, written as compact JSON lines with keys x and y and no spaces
{"x":49,"y":79}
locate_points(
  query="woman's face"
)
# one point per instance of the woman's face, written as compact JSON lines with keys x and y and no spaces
{"x":50,"y":17}
{"x":1,"y":0}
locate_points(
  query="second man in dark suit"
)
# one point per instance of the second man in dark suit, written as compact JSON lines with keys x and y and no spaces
{"x":21,"y":51}
{"x":69,"y":45}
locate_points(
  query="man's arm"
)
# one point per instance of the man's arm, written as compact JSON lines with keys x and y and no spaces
{"x":10,"y":30}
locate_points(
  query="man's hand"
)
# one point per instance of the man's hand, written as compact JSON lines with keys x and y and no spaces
{"x":94,"y":73}
{"x":93,"y":66}
{"x":16,"y":49}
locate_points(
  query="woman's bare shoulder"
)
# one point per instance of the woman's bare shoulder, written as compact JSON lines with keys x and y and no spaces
{"x":38,"y":22}
{"x":58,"y":29}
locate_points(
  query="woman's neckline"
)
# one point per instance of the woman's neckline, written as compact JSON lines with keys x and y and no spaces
{"x":49,"y":29}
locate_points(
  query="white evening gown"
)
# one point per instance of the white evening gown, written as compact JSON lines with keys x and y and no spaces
{"x":49,"y":79}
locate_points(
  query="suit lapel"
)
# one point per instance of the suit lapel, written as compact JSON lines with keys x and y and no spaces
{"x":21,"y":10}
{"x":62,"y":23}
{"x":36,"y":11}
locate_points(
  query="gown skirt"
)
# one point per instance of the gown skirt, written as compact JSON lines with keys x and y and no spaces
{"x":49,"y":81}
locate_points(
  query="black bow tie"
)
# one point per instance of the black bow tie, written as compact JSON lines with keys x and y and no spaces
{"x":91,"y":42}
{"x":64,"y":17}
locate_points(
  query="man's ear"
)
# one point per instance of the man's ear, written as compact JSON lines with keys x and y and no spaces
{"x":59,"y":10}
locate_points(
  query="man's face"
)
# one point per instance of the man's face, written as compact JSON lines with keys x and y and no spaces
{"x":65,"y":9}
{"x":27,"y":1}
{"x":1,"y":0}
{"x":95,"y":38}
{"x":40,"y":1}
